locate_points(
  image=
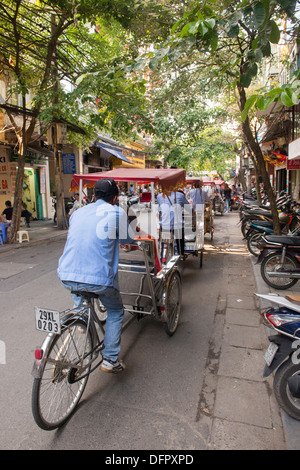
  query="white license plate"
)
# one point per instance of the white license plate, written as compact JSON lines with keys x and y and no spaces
{"x":270,"y":353}
{"x":47,"y":320}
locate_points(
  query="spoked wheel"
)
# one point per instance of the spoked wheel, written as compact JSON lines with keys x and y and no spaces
{"x":57,"y":392}
{"x":272,"y":264}
{"x":173,"y":303}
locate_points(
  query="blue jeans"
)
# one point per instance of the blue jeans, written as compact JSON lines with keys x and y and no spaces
{"x":227,"y":201}
{"x":112,"y":301}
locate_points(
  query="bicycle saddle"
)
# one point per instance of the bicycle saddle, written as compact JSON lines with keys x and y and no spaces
{"x":89,"y":295}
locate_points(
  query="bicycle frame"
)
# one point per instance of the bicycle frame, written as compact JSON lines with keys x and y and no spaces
{"x":88,"y":315}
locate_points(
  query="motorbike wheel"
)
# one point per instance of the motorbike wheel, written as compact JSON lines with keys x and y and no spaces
{"x":272,"y":263}
{"x":290,"y":404}
{"x":246,"y":224}
{"x":252,"y":242}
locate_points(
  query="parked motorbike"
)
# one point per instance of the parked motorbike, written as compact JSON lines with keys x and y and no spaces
{"x":234,"y":203}
{"x":262,"y":213}
{"x":218,"y":204}
{"x":289,"y":223}
{"x":280,"y":260}
{"x":283,"y":354}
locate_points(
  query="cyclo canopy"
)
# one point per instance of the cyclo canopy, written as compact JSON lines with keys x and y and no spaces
{"x":167,"y":179}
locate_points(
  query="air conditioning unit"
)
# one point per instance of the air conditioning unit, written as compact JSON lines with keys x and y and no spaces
{"x":61,"y":134}
{"x":61,"y":130}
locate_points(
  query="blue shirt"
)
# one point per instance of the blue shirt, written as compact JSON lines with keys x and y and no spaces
{"x":198,"y":196}
{"x":91,"y":253}
{"x":171,"y":209}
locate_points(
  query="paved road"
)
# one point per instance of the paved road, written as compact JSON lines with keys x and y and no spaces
{"x":158,"y":402}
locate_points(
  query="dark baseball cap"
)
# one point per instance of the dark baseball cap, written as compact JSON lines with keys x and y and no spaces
{"x":106,"y":187}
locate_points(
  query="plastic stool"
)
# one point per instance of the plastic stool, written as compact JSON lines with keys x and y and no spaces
{"x":21,"y":234}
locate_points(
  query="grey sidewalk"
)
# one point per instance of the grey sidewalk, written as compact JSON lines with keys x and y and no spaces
{"x":237,"y":406}
{"x":245,"y":412}
{"x":39,"y":231}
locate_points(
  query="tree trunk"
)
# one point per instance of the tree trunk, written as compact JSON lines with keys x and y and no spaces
{"x":254,"y":146}
{"x":17,"y":205}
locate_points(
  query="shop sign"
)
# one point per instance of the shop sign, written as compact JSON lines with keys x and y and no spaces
{"x":4,"y":177}
{"x":68,"y":161}
{"x":293,"y":164}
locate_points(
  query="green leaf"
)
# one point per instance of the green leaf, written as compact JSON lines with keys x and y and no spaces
{"x":259,"y":14}
{"x":252,"y":69}
{"x":288,"y":6}
{"x":245,"y":80}
{"x":275,"y":33}
{"x":233,"y":31}
{"x":266,"y":49}
{"x":274,"y":92}
{"x":287,"y":99}
{"x":210,"y":23}
{"x":258,"y":54}
{"x":260,"y":103}
{"x":250,"y":102}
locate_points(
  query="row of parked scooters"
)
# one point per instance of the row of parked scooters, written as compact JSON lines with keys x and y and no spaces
{"x":279,"y":259}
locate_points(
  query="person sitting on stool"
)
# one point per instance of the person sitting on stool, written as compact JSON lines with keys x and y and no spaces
{"x":8,"y":212}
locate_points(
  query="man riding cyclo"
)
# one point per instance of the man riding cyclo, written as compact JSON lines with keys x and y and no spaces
{"x":90,"y":262}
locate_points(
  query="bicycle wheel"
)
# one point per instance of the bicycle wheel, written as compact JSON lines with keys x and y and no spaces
{"x":173,"y":304}
{"x":272,"y":264}
{"x":57,"y":392}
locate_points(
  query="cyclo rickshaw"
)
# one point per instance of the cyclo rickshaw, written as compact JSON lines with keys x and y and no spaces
{"x":72,"y":348}
{"x":210,"y":184}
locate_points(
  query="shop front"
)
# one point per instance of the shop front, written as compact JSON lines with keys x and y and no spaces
{"x":36,"y":196}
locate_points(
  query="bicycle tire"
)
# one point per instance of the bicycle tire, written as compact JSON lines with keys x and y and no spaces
{"x":57,"y":392}
{"x":272,"y":262}
{"x":173,"y":304}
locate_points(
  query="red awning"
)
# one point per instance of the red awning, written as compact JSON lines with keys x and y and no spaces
{"x":167,"y":179}
{"x":207,"y":180}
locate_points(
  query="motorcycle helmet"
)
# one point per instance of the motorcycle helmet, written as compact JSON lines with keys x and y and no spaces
{"x":284,"y":218}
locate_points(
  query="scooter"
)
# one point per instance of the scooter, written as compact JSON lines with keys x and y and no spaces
{"x":289,"y":223}
{"x":280,"y":260}
{"x":262,"y":213}
{"x":283,"y":354}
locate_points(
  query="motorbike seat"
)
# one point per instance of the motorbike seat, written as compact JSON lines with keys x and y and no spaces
{"x":293,"y":298}
{"x":284,"y":239}
{"x":262,"y":223}
{"x":260,"y":212}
